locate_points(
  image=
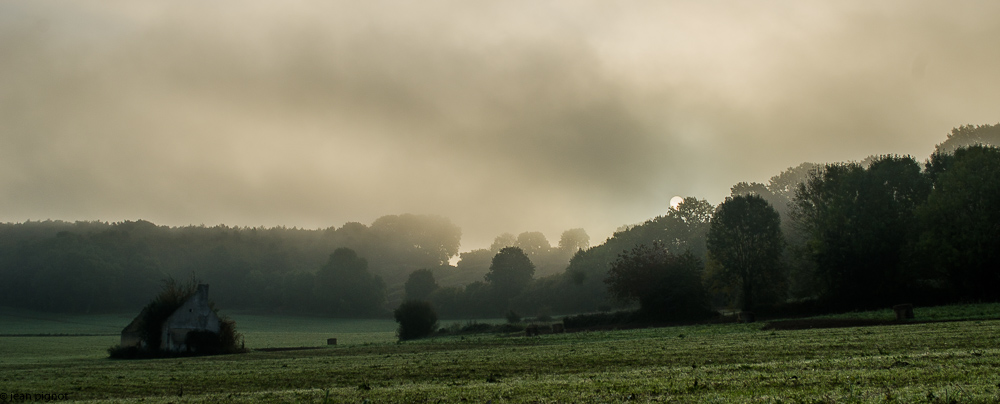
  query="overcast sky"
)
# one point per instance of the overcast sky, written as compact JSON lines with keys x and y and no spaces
{"x":504,"y":116}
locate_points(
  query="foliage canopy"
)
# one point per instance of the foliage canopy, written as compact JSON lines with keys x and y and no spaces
{"x":346,"y":288}
{"x":420,"y":285}
{"x":859,"y":222}
{"x":745,"y":238}
{"x":961,"y":221}
{"x":666,"y":285}
{"x":510,"y":272}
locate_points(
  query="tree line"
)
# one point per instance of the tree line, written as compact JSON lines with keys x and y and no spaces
{"x":355,"y":270}
{"x":855,"y":235}
{"x":837,"y":236}
{"x":97,"y":266}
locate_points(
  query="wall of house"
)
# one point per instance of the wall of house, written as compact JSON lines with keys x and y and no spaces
{"x":132,"y":334}
{"x":194,"y":315}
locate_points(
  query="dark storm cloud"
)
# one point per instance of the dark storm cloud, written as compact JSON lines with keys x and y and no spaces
{"x":505,"y":117}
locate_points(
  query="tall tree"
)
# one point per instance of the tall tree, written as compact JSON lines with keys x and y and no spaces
{"x":961,"y":240}
{"x":780,"y":193}
{"x":745,"y":239}
{"x":475,"y":262}
{"x":970,"y":135}
{"x":683,"y":228}
{"x":859,"y":222}
{"x":420,"y":285}
{"x":503,"y":240}
{"x":547,"y":260}
{"x":416,"y":240}
{"x":346,"y":288}
{"x":510,"y":272}
{"x":678,"y":230}
{"x":533,"y":243}
{"x":573,"y":240}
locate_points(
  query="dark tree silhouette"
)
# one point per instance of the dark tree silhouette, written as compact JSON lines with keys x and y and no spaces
{"x":745,"y":239}
{"x":501,"y":241}
{"x":510,"y":272}
{"x":961,"y":218}
{"x":346,"y":288}
{"x":859,"y":223}
{"x":533,"y":243}
{"x":475,"y":262}
{"x":667,"y":286}
{"x":679,"y":230}
{"x":420,"y":285}
{"x":970,"y":135}
{"x":422,"y":240}
{"x":416,"y":319}
{"x":573,"y":240}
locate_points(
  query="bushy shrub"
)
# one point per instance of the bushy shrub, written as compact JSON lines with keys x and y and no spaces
{"x":667,"y":286}
{"x":123,"y":352}
{"x":416,"y":319}
{"x":230,"y":340}
{"x":599,"y":319}
{"x":474,"y":327}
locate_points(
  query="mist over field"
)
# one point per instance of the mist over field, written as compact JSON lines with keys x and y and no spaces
{"x":517,"y":201}
{"x":504,"y":117}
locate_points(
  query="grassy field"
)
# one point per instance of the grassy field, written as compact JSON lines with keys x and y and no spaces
{"x":934,"y":362}
{"x":28,"y":337}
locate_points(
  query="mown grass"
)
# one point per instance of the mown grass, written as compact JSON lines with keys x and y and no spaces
{"x":269,"y":331}
{"x":26,"y":322}
{"x":33,"y":337}
{"x":973,"y":311}
{"x":934,"y":362}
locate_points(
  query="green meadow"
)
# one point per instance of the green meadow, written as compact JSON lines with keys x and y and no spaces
{"x":29,"y":337}
{"x":940,"y":362}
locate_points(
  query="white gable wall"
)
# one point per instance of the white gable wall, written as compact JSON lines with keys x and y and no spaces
{"x":193,"y":315}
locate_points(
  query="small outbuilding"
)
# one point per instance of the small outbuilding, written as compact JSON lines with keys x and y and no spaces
{"x":180,"y":331}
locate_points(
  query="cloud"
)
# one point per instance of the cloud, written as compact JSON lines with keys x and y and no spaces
{"x":505,"y":117}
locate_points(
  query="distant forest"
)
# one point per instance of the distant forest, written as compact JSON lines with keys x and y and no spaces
{"x":885,"y":230}
{"x":356,"y":270}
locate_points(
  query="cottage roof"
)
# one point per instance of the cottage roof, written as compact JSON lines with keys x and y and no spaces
{"x":198,"y":299}
{"x":136,"y":324}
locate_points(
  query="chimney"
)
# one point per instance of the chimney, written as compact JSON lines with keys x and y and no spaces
{"x":202,"y":292}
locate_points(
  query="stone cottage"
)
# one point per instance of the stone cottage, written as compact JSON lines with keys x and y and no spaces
{"x":193,"y":315}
